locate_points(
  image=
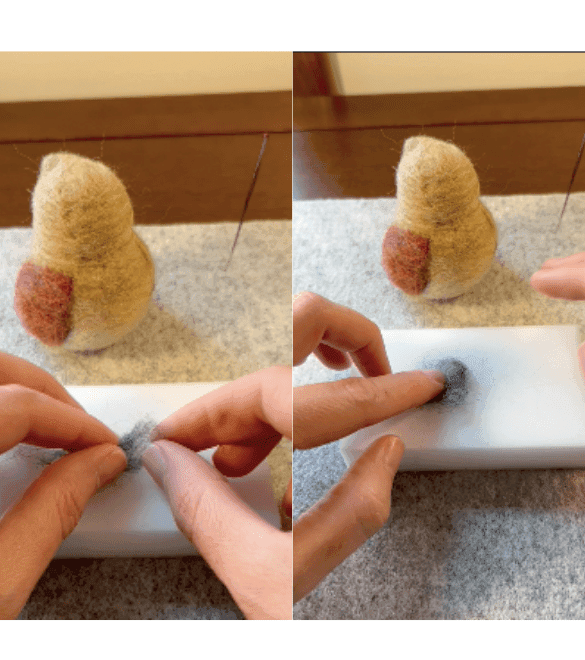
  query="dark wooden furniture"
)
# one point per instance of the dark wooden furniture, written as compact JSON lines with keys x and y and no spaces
{"x":182,"y":158}
{"x":313,"y":75}
{"x":521,"y":141}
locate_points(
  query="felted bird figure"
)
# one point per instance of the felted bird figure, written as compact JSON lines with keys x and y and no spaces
{"x":443,"y":239}
{"x":89,"y":277}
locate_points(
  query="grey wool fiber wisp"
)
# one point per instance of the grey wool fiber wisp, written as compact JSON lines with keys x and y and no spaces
{"x":456,"y":382}
{"x":134,"y":444}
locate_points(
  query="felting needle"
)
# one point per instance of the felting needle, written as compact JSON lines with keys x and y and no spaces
{"x":572,"y":179}
{"x":250,"y":191}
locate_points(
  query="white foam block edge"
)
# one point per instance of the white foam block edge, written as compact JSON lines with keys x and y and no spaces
{"x":131,"y":517}
{"x":525,"y":407}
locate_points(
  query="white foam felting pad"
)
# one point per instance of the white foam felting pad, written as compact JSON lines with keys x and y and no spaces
{"x":522,"y":404}
{"x":131,"y":517}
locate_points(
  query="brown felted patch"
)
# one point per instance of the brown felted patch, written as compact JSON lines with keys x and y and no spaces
{"x":42,"y":301}
{"x":405,"y":258}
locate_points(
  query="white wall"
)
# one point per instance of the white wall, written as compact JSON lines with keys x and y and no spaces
{"x":394,"y":73}
{"x":44,"y":76}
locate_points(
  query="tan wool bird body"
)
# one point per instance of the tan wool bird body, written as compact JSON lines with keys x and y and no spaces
{"x":443,"y":239}
{"x":89,"y":278}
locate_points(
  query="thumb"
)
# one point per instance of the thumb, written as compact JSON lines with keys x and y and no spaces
{"x":31,"y":532}
{"x":353,"y":510}
{"x":251,"y":557}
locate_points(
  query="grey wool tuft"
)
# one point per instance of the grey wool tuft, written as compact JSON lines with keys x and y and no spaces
{"x":456,"y":381}
{"x":136,"y":442}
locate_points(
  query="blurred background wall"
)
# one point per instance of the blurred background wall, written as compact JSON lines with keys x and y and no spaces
{"x":55,"y":76}
{"x":398,"y":73}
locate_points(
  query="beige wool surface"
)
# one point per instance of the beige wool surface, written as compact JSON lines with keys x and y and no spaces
{"x":83,"y":227}
{"x":438,"y":199}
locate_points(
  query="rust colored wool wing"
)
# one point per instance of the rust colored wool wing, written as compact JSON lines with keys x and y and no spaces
{"x":42,"y":301}
{"x":405,"y":258}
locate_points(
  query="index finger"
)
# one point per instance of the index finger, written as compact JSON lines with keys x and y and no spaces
{"x":35,"y":418}
{"x":15,"y":370}
{"x":325,"y":412}
{"x":566,"y":282}
{"x":572,"y":260}
{"x":247,"y":418}
{"x":318,"y":323}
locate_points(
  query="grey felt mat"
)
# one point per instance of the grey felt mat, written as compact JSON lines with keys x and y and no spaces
{"x":464,"y":544}
{"x":203,"y":324}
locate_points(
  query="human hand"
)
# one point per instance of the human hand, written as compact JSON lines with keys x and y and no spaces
{"x":36,"y":409}
{"x":360,"y":503}
{"x":563,"y":278}
{"x":246,"y":418}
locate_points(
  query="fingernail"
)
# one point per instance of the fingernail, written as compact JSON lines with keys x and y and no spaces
{"x":113,"y":464}
{"x":155,"y":464}
{"x":436,"y":376}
